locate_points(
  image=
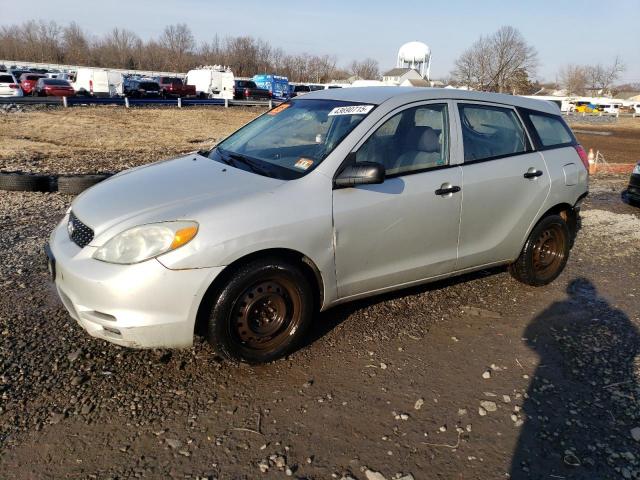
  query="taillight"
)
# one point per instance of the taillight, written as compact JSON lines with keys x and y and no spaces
{"x":14,"y":85}
{"x":91,"y":86}
{"x":583,"y":156}
{"x":246,"y":92}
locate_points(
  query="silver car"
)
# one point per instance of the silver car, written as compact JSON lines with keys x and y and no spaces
{"x":337,"y":195}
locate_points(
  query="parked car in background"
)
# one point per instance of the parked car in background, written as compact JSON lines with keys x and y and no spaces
{"x":17,"y":73}
{"x":276,"y":84}
{"x":248,"y":90}
{"x":28,"y":82}
{"x":142,"y":89}
{"x":54,"y":87}
{"x":300,"y":90}
{"x":98,"y":82}
{"x":334,"y":196}
{"x":212,"y":82}
{"x":175,"y":87}
{"x":9,"y":86}
{"x":633,"y":190}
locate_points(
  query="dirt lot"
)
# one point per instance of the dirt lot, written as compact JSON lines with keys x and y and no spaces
{"x":109,"y":139}
{"x":618,"y":140}
{"x":478,"y":377}
{"x":104,"y":139}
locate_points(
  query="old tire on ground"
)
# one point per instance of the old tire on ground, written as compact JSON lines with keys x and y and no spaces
{"x":24,"y":182}
{"x":76,"y":184}
{"x":545,"y":253}
{"x":262,"y":313}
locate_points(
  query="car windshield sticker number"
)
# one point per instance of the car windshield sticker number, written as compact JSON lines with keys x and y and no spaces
{"x":279,"y":108}
{"x":303,"y":163}
{"x":351,"y":110}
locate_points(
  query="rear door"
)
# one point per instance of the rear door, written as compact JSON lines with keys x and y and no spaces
{"x":505,"y":184}
{"x":405,"y":229}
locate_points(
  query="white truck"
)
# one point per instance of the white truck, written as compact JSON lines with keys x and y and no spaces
{"x":212,"y":82}
{"x":98,"y":82}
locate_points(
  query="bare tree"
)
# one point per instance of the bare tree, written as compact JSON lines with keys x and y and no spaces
{"x":179,"y":43}
{"x":492,"y":62}
{"x":573,"y":79}
{"x":367,"y":69}
{"x":601,"y":77}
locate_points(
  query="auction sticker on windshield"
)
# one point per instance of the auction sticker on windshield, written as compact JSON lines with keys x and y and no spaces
{"x":351,"y":110}
{"x":303,"y":163}
{"x":278,"y":109}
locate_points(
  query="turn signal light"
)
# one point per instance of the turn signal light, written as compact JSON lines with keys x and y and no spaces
{"x":183,"y":236}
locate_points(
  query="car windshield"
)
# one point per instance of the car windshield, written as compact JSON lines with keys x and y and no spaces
{"x":292,"y":139}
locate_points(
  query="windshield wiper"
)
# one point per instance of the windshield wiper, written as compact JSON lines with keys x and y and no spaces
{"x":254,"y":166}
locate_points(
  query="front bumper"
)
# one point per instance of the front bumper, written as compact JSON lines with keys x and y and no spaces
{"x":145,"y":305}
{"x":633,"y":190}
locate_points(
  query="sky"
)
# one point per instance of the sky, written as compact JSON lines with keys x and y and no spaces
{"x":562,"y":31}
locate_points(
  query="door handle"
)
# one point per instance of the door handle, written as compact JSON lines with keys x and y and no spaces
{"x":532,"y":173}
{"x":447,"y":189}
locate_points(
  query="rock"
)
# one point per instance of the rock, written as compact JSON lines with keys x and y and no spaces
{"x":288,"y":472}
{"x":487,"y":374}
{"x":488,"y":405}
{"x":408,"y":476}
{"x":79,"y":380}
{"x":280,"y":461}
{"x":462,"y":412}
{"x":73,"y":356}
{"x":418,"y":404}
{"x":383,"y":366}
{"x":506,"y":398}
{"x":635,"y":434}
{"x":263,"y":466}
{"x":443,"y":428}
{"x":173,"y":443}
{"x":87,"y":408}
{"x":481,"y":411}
{"x":373,"y":475}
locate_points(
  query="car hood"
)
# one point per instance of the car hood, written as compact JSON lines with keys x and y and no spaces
{"x":164,"y":191}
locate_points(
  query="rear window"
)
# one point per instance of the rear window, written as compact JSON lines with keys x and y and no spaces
{"x":33,"y":77}
{"x":552,"y":131}
{"x":6,"y":79}
{"x":54,"y":81}
{"x":148,"y":85}
{"x":171,"y":80}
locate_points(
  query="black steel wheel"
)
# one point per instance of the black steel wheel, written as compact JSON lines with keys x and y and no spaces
{"x":544,"y":254}
{"x":262,"y":312}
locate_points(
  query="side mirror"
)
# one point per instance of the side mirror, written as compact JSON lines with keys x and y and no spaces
{"x":362,"y":173}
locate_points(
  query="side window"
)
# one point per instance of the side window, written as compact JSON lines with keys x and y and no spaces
{"x":552,"y":131}
{"x":414,"y":139}
{"x":489,"y":131}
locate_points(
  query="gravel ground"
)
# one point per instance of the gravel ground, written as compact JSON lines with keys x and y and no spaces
{"x":477,"y":377}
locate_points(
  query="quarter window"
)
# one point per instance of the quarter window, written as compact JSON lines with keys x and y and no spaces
{"x":551,"y":130}
{"x":489,"y":132}
{"x":412,"y":140}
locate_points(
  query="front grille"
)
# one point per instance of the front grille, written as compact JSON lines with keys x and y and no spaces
{"x":79,"y":233}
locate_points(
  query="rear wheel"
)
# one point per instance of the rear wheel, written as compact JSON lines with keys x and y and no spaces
{"x":545,"y":252}
{"x":262,"y":313}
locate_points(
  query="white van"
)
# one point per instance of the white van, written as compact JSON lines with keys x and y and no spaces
{"x":212,"y":82}
{"x":98,"y":82}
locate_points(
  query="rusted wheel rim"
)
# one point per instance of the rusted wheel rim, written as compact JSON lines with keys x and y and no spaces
{"x":548,"y":251}
{"x":266,"y":314}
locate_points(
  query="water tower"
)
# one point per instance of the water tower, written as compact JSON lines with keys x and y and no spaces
{"x":415,"y":55}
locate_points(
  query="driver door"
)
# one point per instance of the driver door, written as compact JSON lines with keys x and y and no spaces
{"x":406,"y":229}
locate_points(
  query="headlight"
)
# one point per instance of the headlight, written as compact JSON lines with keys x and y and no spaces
{"x":146,"y":241}
{"x":636,"y":169}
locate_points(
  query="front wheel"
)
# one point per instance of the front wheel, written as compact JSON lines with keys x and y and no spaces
{"x":262,"y":313}
{"x":545,"y":253}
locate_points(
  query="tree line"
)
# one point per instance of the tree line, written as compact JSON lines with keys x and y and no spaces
{"x":174,"y":50}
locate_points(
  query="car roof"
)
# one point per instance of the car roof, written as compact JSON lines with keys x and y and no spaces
{"x":402,"y":95}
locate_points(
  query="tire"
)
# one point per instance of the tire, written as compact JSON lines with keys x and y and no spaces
{"x":262,"y":313}
{"x":24,"y":182}
{"x":73,"y":185}
{"x":545,"y":253}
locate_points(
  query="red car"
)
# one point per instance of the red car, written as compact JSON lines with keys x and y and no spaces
{"x":28,"y":82}
{"x":53,"y":87}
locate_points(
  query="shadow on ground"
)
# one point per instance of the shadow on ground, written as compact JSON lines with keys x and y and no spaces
{"x":584,"y":399}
